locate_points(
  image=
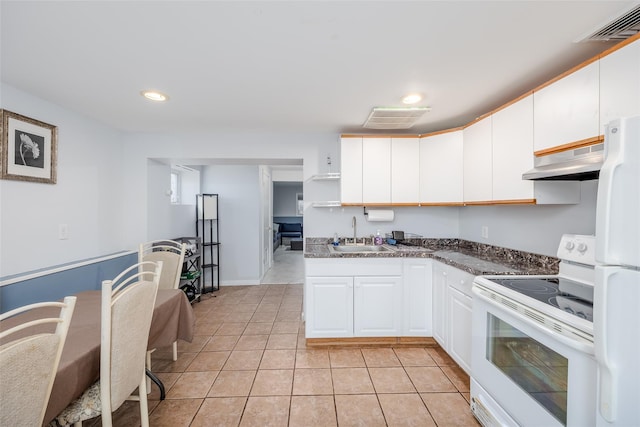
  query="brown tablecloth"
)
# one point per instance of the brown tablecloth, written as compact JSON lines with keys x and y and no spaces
{"x":79,"y":367}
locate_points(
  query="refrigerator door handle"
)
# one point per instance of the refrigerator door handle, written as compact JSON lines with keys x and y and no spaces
{"x":607,"y":377}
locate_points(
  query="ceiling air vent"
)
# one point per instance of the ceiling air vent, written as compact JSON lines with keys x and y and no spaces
{"x":621,"y":28}
{"x":394,"y":117}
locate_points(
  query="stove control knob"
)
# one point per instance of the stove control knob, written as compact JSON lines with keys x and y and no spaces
{"x":582,"y":248}
{"x":570,"y":245}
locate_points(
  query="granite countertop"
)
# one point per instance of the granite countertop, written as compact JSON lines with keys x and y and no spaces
{"x":472,"y":257}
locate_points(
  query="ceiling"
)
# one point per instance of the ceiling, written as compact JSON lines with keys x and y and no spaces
{"x":290,"y":66}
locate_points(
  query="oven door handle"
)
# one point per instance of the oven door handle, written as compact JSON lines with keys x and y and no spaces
{"x":580,"y":344}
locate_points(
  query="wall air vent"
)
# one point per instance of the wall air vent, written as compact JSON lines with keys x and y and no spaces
{"x":394,"y":117}
{"x":621,"y":28}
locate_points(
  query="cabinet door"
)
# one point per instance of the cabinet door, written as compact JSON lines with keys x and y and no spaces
{"x":329,"y":307}
{"x":460,"y":329}
{"x":405,"y":170}
{"x":417,"y":292}
{"x":439,"y":284}
{"x":351,"y":170}
{"x":620,"y":84}
{"x":376,"y":170}
{"x":441,"y":168}
{"x":566,"y":111}
{"x":477,"y":161}
{"x":512,"y":150}
{"x":377,"y":306}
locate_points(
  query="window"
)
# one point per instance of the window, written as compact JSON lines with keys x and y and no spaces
{"x":175,"y":187}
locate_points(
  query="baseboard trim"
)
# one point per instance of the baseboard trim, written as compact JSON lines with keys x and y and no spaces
{"x":372,"y":342}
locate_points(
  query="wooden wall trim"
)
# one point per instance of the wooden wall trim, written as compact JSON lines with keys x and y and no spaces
{"x":371,"y":342}
{"x":501,"y":202}
{"x":570,"y":146}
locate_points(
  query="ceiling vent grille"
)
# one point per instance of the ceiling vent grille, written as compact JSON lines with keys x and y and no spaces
{"x":622,"y":28}
{"x":394,"y":117}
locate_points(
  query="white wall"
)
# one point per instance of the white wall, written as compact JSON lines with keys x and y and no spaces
{"x":87,"y":196}
{"x":534,"y":229}
{"x":239,"y":220}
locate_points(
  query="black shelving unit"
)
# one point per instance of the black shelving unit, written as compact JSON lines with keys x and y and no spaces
{"x":191,"y":276}
{"x":207,"y":228}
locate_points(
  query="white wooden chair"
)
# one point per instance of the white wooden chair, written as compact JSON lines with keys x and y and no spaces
{"x":127,"y":309}
{"x":171,"y":253}
{"x":28,"y":363}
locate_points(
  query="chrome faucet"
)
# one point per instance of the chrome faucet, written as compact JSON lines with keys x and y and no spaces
{"x":353,"y":224}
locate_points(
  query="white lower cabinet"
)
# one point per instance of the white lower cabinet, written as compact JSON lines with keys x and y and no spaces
{"x":452,"y":304}
{"x":368,"y":297}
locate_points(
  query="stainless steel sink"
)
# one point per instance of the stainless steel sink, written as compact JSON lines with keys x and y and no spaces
{"x":358,"y":249}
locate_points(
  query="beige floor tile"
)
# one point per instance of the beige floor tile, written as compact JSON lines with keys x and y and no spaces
{"x":252,"y":342}
{"x":278,"y":359}
{"x":429,"y":379}
{"x":351,"y":381}
{"x":232,"y":383}
{"x":231,"y":328}
{"x":168,"y":365}
{"x":302,"y":342}
{"x":285,"y":327}
{"x":440,"y":356}
{"x":380,"y":357}
{"x":361,"y":410}
{"x":282,"y":341}
{"x":269,"y":411}
{"x":449,"y":409}
{"x":168,"y":380}
{"x":192,"y":385}
{"x":458,"y":377}
{"x":414,"y":357}
{"x":247,"y":307}
{"x":208,"y":328}
{"x":239,"y":317}
{"x":208,"y":361}
{"x":391,"y":380}
{"x":264,"y":317}
{"x":221,"y":343}
{"x":174,"y":413}
{"x":405,"y":410}
{"x":268,"y":299}
{"x":346,"y":358}
{"x":309,"y":411}
{"x":258,"y":328}
{"x":312,"y":359}
{"x":194,"y":346}
{"x":288,"y":316}
{"x":467,"y":397}
{"x":312,"y":382}
{"x":273,"y":382}
{"x":243,"y":360}
{"x":220,"y":412}
{"x":267,"y":308}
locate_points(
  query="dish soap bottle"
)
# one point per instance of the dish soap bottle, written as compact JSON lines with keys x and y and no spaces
{"x":378,"y":239}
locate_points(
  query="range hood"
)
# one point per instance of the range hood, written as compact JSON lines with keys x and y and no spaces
{"x":580,"y":164}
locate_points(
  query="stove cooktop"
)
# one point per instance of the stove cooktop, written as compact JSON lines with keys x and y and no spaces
{"x":567,"y":295}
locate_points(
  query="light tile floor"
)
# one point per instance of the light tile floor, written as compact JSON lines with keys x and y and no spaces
{"x":288,"y":266}
{"x":248,"y":366}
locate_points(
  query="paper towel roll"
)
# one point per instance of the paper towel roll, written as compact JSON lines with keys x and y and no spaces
{"x":380,"y":215}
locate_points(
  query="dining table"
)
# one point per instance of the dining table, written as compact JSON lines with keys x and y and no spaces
{"x":79,"y":367}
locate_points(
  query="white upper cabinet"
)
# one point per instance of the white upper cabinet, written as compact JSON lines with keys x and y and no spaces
{"x":405,"y":170}
{"x":376,"y":170}
{"x":620,"y":84}
{"x":566,"y":111}
{"x":441,"y":168}
{"x":351,"y":170}
{"x":477,"y":159}
{"x":513,"y":150}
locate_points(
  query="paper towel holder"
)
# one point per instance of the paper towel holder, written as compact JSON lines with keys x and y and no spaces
{"x":366,"y":214}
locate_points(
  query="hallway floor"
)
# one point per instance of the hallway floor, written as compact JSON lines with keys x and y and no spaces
{"x":288,"y":267}
{"x":248,"y":366}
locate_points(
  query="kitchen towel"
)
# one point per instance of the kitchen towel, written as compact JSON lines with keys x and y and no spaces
{"x":380,"y":215}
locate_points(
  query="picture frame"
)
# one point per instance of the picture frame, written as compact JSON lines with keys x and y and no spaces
{"x":299,"y":205}
{"x":28,"y":149}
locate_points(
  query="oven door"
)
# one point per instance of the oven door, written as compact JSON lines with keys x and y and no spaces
{"x":525,"y":369}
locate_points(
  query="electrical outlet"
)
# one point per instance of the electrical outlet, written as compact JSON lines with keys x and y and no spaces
{"x":485,"y":231}
{"x":63,"y":231}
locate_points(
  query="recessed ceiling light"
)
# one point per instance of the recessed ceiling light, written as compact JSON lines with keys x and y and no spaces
{"x":412,"y":98}
{"x":154,"y":95}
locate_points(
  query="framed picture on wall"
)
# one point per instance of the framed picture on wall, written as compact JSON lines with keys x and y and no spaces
{"x":29,"y":149}
{"x":299,"y":204}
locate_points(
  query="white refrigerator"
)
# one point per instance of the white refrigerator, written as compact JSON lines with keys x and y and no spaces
{"x":616,"y":317}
